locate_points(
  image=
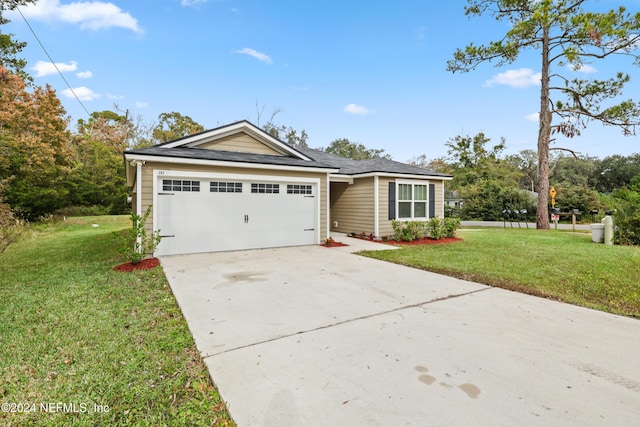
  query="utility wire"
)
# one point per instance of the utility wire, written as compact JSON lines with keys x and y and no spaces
{"x":54,"y":64}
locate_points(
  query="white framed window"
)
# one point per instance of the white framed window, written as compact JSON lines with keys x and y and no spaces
{"x":412,"y":200}
{"x":299,"y":189}
{"x":225,"y":187}
{"x":265,"y":188}
{"x":180,"y":185}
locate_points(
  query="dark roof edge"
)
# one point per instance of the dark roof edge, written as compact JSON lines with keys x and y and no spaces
{"x":303,"y":163}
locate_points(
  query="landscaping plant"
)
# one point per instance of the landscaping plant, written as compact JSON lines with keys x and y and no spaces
{"x":136,"y":244}
{"x":408,"y":230}
{"x":439,"y":228}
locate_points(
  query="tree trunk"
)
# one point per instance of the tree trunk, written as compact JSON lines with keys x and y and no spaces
{"x":544,"y":135}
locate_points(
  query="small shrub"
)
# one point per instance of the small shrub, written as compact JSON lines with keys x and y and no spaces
{"x":443,"y":227}
{"x":436,"y":228}
{"x":136,"y":244}
{"x":408,"y":230}
{"x":451,"y":226}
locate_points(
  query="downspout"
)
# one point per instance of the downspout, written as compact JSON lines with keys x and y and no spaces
{"x":138,"y":164}
{"x":328,"y":209}
{"x":376,"y":206}
{"x":139,"y":187}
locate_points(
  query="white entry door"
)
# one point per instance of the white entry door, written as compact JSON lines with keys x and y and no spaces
{"x":209,"y":215}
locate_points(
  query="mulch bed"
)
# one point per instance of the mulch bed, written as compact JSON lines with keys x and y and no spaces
{"x":333,"y":244}
{"x":145,"y":264}
{"x":423,"y":241}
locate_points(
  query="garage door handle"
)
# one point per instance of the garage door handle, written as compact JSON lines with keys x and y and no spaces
{"x":166,"y":194}
{"x":309,"y":229}
{"x":246,"y":219}
{"x":168,"y":235}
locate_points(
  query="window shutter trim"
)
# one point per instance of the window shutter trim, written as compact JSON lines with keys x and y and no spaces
{"x":392,"y":200}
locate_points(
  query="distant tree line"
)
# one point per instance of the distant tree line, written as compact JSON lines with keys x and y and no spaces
{"x":489,"y":183}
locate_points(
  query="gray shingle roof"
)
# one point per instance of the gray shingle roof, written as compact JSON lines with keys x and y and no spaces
{"x":226,"y":156}
{"x":320,"y":159}
{"x":356,"y":167}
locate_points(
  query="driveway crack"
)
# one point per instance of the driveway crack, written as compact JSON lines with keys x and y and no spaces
{"x":343,"y":322}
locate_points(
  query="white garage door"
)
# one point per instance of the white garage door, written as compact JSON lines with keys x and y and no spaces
{"x":209,"y":215}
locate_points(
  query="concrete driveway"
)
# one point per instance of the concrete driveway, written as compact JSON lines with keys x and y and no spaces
{"x":317,"y":336}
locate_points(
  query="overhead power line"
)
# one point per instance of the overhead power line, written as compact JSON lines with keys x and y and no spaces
{"x":53,"y":62}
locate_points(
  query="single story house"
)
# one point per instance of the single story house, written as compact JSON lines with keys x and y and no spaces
{"x":237,"y":187}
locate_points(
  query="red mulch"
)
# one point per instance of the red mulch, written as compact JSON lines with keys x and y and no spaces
{"x":145,"y":264}
{"x":426,"y":241}
{"x":333,"y":245}
{"x":423,"y":241}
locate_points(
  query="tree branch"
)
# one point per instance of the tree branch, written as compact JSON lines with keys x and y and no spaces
{"x":575,"y":153}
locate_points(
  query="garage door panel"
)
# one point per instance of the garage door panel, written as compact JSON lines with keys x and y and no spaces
{"x":207,"y":221}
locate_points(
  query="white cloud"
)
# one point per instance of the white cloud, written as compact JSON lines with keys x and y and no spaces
{"x":523,"y":77}
{"x":357,"y":109}
{"x":116,"y":97}
{"x":44,"y":68}
{"x":141,"y":104}
{"x":192,"y":2}
{"x":255,"y":54}
{"x":533,"y":117}
{"x":92,"y":15}
{"x":584,"y":68}
{"x":84,"y":74}
{"x":83,"y":93}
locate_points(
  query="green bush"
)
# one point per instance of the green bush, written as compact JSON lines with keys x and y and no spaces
{"x":439,"y":228}
{"x":436,"y":228}
{"x":625,"y":203}
{"x":408,"y":230}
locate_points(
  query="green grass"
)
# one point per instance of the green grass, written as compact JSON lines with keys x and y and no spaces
{"x":74,"y":331}
{"x":552,"y":264}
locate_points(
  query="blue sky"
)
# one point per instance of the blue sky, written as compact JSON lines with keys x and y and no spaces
{"x":371,"y":71}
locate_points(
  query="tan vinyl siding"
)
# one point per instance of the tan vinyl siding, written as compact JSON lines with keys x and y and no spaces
{"x":244,"y":173}
{"x":439,"y":198}
{"x":352,"y":206}
{"x":240,"y":142}
{"x":383,"y":193}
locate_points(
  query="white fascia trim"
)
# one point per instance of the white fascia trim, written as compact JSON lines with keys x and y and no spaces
{"x":205,"y":137}
{"x":341,"y":178}
{"x":402,"y":176}
{"x":204,"y":162}
{"x":376,"y":206}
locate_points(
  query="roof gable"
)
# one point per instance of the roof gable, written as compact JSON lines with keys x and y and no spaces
{"x":242,"y":136}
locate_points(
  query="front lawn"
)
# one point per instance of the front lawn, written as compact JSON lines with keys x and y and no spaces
{"x":81,"y":344}
{"x":553,"y":264}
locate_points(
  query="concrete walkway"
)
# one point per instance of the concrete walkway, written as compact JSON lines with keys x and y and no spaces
{"x":317,"y":336}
